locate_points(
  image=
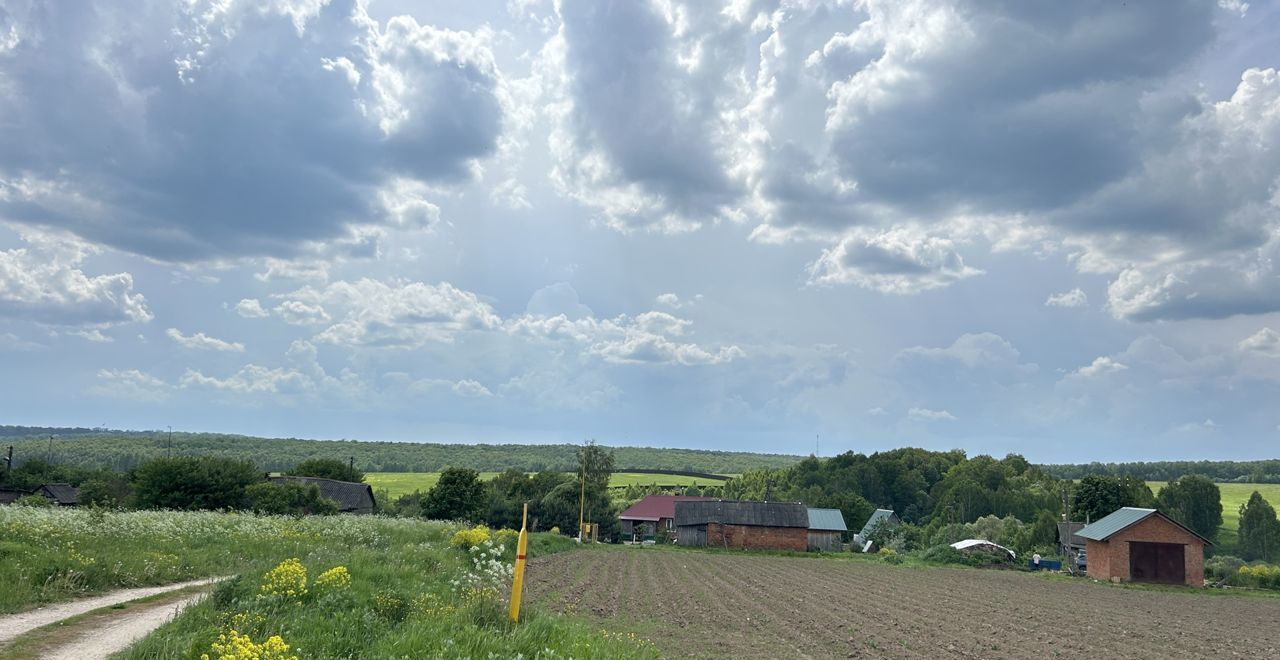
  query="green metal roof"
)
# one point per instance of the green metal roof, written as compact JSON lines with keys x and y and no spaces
{"x":1124,"y":518}
{"x":887,"y":515}
{"x":827,"y":520}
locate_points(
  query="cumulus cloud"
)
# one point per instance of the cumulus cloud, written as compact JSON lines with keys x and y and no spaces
{"x":251,"y":379}
{"x":651,"y":337}
{"x":297,"y":312}
{"x":1100,"y":366}
{"x":986,"y":352}
{"x":898,"y":261}
{"x":556,"y":299}
{"x":201,"y":341}
{"x":206,"y":129}
{"x":130,"y":384}
{"x":1264,"y":342}
{"x":927,"y":415}
{"x":471,"y":388}
{"x":45,"y":283}
{"x":374,"y":314}
{"x":251,"y":308}
{"x":1072,"y":298}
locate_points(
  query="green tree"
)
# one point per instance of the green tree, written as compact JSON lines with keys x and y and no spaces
{"x":1259,"y":530}
{"x":595,"y":467}
{"x":1098,"y":496}
{"x":1195,"y":502}
{"x":190,"y":483}
{"x":459,"y":495}
{"x":327,"y":468}
{"x":289,"y":498}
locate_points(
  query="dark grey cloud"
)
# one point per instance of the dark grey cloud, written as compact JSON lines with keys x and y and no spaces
{"x":195,"y":131}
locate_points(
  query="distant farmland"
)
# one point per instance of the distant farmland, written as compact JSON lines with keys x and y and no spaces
{"x":1233,"y":496}
{"x":403,"y":483}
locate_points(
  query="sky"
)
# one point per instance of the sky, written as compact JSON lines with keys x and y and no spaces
{"x":1050,"y":228}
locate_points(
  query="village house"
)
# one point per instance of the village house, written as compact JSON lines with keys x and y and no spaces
{"x":1144,"y":545}
{"x":351,"y":497}
{"x":884,"y":517}
{"x":642,"y":520}
{"x":59,"y":494}
{"x":735,"y":524}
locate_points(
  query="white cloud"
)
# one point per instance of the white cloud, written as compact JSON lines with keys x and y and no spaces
{"x":650,"y":337}
{"x":45,"y":283}
{"x":1100,"y":366}
{"x":471,"y":388}
{"x":899,"y":261}
{"x":372,"y":313}
{"x":12,"y":342}
{"x":251,"y":379}
{"x":251,"y":308}
{"x":201,"y":341}
{"x":927,"y":415}
{"x":296,"y":312}
{"x":1073,"y":298}
{"x":1263,"y":342}
{"x":130,"y":384}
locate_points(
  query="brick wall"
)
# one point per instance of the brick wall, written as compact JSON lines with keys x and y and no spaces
{"x":758,"y":538}
{"x":1110,"y":559}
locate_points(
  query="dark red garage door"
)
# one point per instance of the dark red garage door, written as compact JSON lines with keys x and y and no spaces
{"x":1157,"y":562}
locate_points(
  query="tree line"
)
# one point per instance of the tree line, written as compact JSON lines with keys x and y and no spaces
{"x":1255,"y":472}
{"x":126,"y":449}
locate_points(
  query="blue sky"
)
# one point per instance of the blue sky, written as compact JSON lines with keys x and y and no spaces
{"x":1043,"y":227}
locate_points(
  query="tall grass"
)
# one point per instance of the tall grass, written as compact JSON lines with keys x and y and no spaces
{"x":403,"y":598}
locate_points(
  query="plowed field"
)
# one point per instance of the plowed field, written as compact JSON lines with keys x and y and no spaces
{"x":732,"y":605}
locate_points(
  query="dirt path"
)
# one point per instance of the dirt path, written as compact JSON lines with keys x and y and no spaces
{"x":14,"y":625}
{"x":100,"y":639}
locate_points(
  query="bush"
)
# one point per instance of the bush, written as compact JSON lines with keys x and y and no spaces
{"x":33,"y":500}
{"x":1261,"y":576}
{"x":1222,"y":567}
{"x":470,"y":538}
{"x":945,"y":554}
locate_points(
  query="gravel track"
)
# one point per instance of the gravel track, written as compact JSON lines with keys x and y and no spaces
{"x":709,"y":604}
{"x":119,"y":632}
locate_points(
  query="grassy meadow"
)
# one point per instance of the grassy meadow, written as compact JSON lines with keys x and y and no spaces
{"x":403,"y":483}
{"x":338,"y":586}
{"x":1233,"y":497}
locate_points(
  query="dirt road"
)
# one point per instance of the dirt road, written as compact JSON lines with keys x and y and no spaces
{"x":13,"y":625}
{"x":709,"y":604}
{"x":115,"y":632}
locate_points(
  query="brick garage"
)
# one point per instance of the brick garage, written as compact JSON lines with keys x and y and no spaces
{"x":750,"y":525}
{"x":1144,"y":545}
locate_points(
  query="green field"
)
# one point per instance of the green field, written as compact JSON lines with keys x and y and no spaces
{"x":1233,"y":496}
{"x":403,"y":483}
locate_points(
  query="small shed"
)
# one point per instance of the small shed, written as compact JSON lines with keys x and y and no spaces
{"x":59,"y":494}
{"x":737,"y":524}
{"x":880,"y":517}
{"x":1144,"y":545}
{"x":351,"y":497}
{"x":1069,"y":540}
{"x":642,"y":520}
{"x":826,"y":526}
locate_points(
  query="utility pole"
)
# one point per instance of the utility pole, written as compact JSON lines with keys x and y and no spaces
{"x":582,"y":501}
{"x":170,"y":450}
{"x":8,"y":464}
{"x":50,"y":447}
{"x":351,"y":467}
{"x":817,"y":447}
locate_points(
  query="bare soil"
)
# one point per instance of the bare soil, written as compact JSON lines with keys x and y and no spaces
{"x":717,"y":604}
{"x":13,"y":625}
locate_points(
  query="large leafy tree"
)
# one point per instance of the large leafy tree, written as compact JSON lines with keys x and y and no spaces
{"x":459,"y":495}
{"x":327,"y":468}
{"x":1195,"y":502}
{"x":1259,"y":530}
{"x":186,"y":482}
{"x":1099,"y":496}
{"x":289,"y":498}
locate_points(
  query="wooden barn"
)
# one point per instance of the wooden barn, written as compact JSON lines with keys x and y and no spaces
{"x":642,"y":520}
{"x":1144,"y":545}
{"x":350,"y":497}
{"x":59,"y":494}
{"x":735,"y":524}
{"x":826,"y":529}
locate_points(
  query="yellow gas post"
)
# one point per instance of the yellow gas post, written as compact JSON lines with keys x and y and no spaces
{"x":517,"y":581}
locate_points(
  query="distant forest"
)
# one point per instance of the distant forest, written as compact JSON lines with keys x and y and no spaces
{"x":1257,"y":472}
{"x":122,"y":450}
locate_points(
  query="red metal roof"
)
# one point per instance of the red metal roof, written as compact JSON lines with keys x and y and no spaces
{"x":656,"y":507}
